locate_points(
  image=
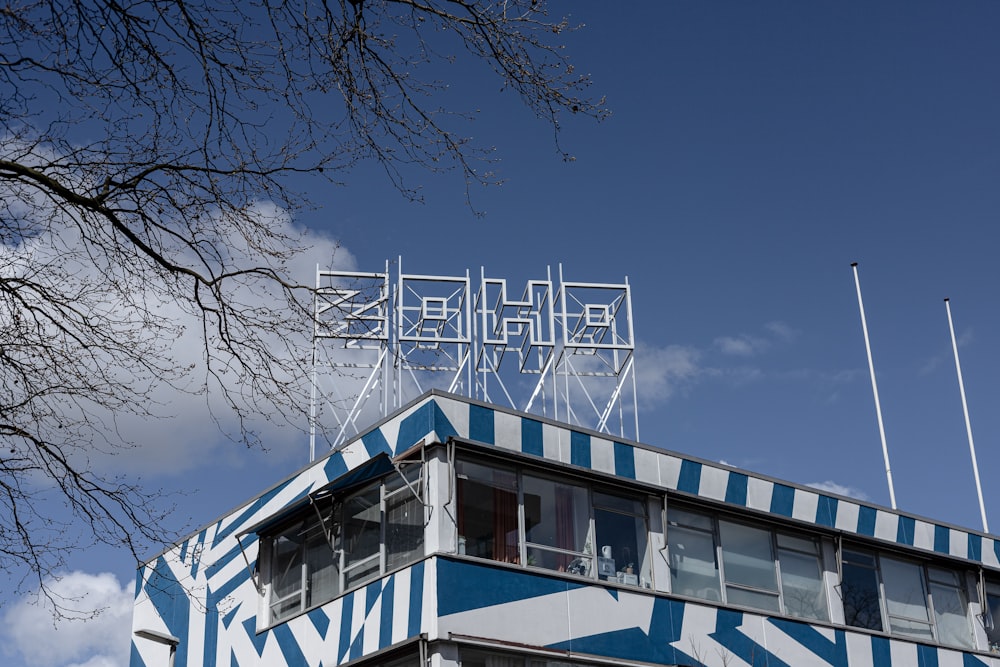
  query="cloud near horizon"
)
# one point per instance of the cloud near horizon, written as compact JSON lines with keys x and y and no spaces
{"x":95,"y":634}
{"x":189,"y":428}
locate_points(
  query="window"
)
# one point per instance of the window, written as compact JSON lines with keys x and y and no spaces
{"x":303,"y":568}
{"x":340,"y":542}
{"x":514,"y":516}
{"x":910,"y":599}
{"x":991,"y":619}
{"x":487,"y":512}
{"x":480,"y":658}
{"x":556,"y":524}
{"x":747,"y":565}
{"x":620,"y":526}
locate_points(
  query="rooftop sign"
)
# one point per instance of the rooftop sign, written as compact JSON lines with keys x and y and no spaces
{"x":556,"y":348}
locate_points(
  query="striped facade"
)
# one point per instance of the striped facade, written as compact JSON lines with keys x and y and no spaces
{"x":203,"y":593}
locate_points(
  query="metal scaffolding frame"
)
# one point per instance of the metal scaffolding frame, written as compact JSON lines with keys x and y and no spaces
{"x":564,"y":350}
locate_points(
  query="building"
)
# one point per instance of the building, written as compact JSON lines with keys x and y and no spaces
{"x":456,"y":532}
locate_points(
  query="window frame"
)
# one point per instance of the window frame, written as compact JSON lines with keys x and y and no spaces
{"x":723,"y":582}
{"x":326,"y":514}
{"x":923,"y":567}
{"x":583,"y":562}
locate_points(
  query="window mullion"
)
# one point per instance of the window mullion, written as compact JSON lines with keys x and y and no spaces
{"x":719,"y":560}
{"x":522,"y":549}
{"x":304,"y":572}
{"x":883,"y":599}
{"x":592,"y":537}
{"x":776,"y":557}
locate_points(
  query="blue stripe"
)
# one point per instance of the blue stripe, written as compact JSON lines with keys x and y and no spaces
{"x":240,"y":520}
{"x":942,"y":540}
{"x":346,"y":612}
{"x":385,"y":631}
{"x":289,"y":647}
{"x":375,"y":443}
{"x":258,"y":641}
{"x":866,"y":520}
{"x":229,"y":556}
{"x":975,"y":547}
{"x":579,"y":449}
{"x":881,"y":652}
{"x":481,"y":424}
{"x":927,"y":656}
{"x":334,"y":466}
{"x":531,"y":437}
{"x":320,"y":621}
{"x":196,"y":562}
{"x":135,"y":660}
{"x":905,"y":529}
{"x":227,"y":620}
{"x":826,"y":511}
{"x":357,"y":646}
{"x":415,"y":426}
{"x":624,"y":460}
{"x":416,"y":599}
{"x":736,"y":489}
{"x":690,"y":479}
{"x":372,"y":591}
{"x":171,"y":603}
{"x":782,"y":500}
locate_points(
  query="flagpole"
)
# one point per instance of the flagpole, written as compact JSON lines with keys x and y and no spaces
{"x":968,"y":424}
{"x":878,"y":406}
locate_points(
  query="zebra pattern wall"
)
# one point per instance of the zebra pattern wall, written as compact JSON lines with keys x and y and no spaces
{"x":203,"y":593}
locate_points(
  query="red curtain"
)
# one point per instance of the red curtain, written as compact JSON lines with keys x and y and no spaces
{"x":505,"y":526}
{"x":565,"y":528}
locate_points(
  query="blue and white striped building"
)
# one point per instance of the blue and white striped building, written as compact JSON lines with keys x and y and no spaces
{"x":459,"y":533}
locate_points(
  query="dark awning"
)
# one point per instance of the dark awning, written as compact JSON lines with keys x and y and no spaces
{"x":373,"y":468}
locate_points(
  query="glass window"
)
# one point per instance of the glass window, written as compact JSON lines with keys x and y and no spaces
{"x":752,"y":558}
{"x":478,"y":658}
{"x":951,"y":610}
{"x":360,"y":539}
{"x":802,"y":589}
{"x":859,"y":588}
{"x":303,"y":569}
{"x":404,"y":519}
{"x":694,"y":570}
{"x":620,"y":527}
{"x":374,"y":529}
{"x":921,"y":601}
{"x":487,"y":512}
{"x":906,"y":598}
{"x":748,"y":566}
{"x":556,"y":523}
{"x":508,"y":515}
{"x":991,"y":619}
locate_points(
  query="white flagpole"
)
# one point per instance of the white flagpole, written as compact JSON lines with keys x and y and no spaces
{"x":878,"y":406}
{"x":968,"y":424}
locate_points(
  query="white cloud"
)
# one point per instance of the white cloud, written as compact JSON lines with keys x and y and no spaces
{"x":782,"y":331}
{"x":96,"y":633}
{"x":839,"y":489}
{"x":741,"y":346}
{"x":663,"y":371}
{"x":190,"y":425}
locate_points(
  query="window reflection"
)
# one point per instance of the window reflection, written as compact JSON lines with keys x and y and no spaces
{"x":918,"y":601}
{"x":751,"y":558}
{"x":505,"y":515}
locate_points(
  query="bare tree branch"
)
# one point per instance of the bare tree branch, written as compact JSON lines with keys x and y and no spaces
{"x":142,"y":144}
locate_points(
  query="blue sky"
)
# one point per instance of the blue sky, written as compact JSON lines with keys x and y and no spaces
{"x":755,"y":150}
